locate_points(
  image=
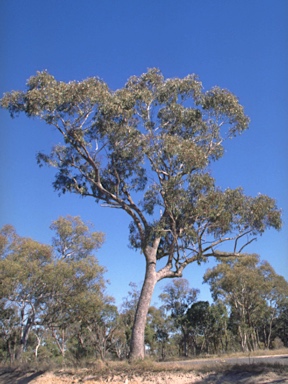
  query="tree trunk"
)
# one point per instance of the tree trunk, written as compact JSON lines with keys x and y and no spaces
{"x":37,"y":346}
{"x":137,"y":348}
{"x":25,"y":331}
{"x":272,"y":317}
{"x":60,"y":341}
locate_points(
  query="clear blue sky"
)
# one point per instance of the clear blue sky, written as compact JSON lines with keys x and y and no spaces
{"x":238,"y":45}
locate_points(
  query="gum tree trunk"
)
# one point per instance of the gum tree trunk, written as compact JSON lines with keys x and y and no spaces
{"x":137,"y":347}
{"x":24,"y":337}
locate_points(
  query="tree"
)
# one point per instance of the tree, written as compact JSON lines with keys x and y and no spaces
{"x":218,"y":333}
{"x":9,"y":332}
{"x":76,"y":279}
{"x":128,"y":310}
{"x":282,"y":322}
{"x":209,"y":324}
{"x":198,"y":321}
{"x":96,"y":328}
{"x":73,"y":239}
{"x":177,"y":297}
{"x":42,"y":286}
{"x":157,"y":332}
{"x":22,"y":275}
{"x":253,"y":291}
{"x":146,"y":149}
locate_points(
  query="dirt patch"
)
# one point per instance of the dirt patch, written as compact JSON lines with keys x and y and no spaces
{"x":261,"y":376}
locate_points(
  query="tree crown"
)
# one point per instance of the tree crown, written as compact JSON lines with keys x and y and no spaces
{"x":155,"y":136}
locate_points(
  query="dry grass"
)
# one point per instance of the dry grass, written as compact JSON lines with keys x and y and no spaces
{"x":108,"y":371}
{"x":259,"y":352}
{"x":149,"y":372}
{"x":100,"y":369}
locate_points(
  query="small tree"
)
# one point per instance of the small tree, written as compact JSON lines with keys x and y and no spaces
{"x":9,"y":332}
{"x":177,"y":297}
{"x":22,"y":275}
{"x":146,"y":149}
{"x":45,"y":289}
{"x":157,"y":332}
{"x":281,"y":326}
{"x":253,"y":291}
{"x":207,"y":323}
{"x":128,"y":310}
{"x":96,"y":328}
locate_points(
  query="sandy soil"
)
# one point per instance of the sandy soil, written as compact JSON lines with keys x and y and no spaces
{"x":262,"y":376}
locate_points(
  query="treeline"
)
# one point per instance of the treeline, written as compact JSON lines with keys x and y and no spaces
{"x":54,"y":305}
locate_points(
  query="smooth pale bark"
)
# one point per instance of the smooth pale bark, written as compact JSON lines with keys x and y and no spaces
{"x":137,"y":346}
{"x":37,"y":346}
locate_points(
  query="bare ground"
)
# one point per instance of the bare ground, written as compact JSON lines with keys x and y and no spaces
{"x":251,"y":374}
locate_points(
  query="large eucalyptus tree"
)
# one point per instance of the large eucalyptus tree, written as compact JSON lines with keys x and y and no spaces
{"x":145,"y":149}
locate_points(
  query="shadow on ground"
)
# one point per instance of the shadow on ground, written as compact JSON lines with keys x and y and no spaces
{"x":237,"y":376}
{"x":14,"y":376}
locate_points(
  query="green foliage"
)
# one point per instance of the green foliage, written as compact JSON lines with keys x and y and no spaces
{"x":281,"y":325}
{"x":208,"y":327}
{"x":177,"y":297}
{"x":158,"y":134}
{"x":253,"y":292}
{"x":73,"y":238}
{"x":126,"y":319}
{"x":48,"y":288}
{"x":158,"y":331}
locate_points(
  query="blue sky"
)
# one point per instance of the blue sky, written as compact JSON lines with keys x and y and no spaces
{"x":238,"y":45}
